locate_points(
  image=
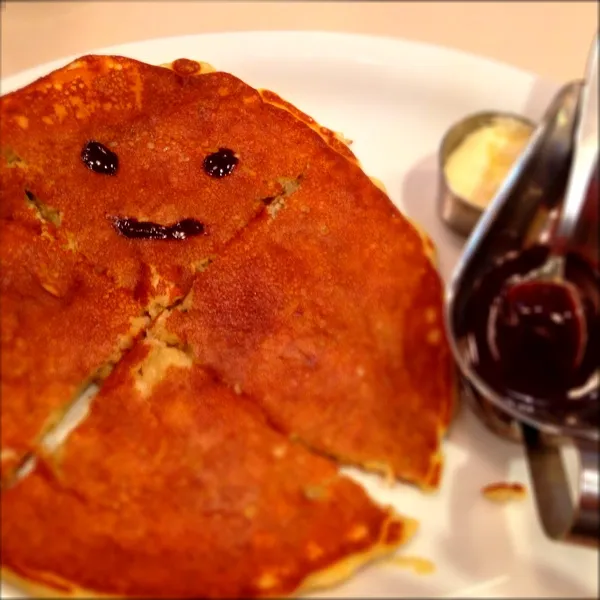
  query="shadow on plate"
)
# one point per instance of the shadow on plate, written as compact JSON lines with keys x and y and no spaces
{"x":418,"y":201}
{"x":477,"y":525}
{"x":484,"y":458}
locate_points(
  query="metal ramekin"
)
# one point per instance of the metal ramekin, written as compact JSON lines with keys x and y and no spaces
{"x":457,"y":212}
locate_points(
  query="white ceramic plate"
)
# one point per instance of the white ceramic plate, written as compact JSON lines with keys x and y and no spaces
{"x":395,"y":99}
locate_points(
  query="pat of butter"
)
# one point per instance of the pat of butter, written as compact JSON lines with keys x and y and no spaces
{"x":478,"y":166}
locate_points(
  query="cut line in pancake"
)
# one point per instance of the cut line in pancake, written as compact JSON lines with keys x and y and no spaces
{"x":213,"y":488}
{"x":141,"y":318}
{"x":53,"y":440}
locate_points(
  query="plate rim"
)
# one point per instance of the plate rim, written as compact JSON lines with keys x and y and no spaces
{"x":371,"y":41}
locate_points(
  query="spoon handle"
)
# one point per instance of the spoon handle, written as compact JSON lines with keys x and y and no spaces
{"x":585,"y":155}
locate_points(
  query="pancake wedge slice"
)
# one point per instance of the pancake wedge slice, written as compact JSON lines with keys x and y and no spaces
{"x":177,"y":487}
{"x":327,"y":311}
{"x":61,"y":326}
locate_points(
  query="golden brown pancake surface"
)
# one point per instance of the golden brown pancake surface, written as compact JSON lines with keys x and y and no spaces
{"x":180,"y":488}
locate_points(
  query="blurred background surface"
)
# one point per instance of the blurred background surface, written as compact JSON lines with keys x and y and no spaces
{"x":548,"y":38}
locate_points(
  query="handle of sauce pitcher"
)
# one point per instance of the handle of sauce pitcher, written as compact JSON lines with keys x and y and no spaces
{"x":563,"y":518}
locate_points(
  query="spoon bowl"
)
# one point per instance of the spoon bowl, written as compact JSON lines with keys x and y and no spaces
{"x":561,"y":327}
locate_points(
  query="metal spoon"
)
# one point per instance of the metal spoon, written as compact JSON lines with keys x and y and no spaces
{"x":584,"y":162}
{"x":550,"y":277}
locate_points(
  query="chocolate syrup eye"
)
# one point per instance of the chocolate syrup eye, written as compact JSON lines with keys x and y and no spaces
{"x":98,"y":158}
{"x":220,"y":164}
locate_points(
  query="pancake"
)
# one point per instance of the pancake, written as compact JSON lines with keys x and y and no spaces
{"x":328,"y":312}
{"x":155,"y":216}
{"x":176,"y":487}
{"x":60,"y":326}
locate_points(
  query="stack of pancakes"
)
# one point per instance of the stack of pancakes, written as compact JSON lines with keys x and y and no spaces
{"x":302,"y":329}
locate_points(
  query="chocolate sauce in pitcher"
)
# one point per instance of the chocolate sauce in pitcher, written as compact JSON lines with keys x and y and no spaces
{"x":533,"y":342}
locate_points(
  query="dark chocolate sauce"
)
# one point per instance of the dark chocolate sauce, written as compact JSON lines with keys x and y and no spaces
{"x":537,"y":324}
{"x":98,"y":158}
{"x":146,"y":230}
{"x":221,"y":163}
{"x":528,"y":341}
